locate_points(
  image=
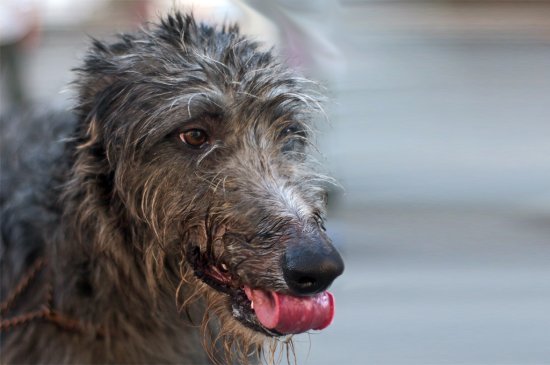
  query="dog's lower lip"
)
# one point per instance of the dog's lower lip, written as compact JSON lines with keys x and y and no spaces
{"x":220,"y":274}
{"x":217,"y":276}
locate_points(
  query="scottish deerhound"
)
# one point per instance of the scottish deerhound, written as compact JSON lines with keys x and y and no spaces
{"x":181,"y":218}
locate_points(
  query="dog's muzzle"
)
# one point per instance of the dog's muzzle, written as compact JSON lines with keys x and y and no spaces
{"x":310,"y":265}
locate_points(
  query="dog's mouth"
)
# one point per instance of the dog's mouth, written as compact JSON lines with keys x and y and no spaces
{"x":265,"y":311}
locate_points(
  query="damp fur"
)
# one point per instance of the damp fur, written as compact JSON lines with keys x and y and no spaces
{"x":114,"y":202}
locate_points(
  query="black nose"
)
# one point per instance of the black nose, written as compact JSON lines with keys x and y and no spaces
{"x":311,"y":265}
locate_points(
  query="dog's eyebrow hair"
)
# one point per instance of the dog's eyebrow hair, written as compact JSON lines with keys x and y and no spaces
{"x":198,"y":103}
{"x":212,"y":116}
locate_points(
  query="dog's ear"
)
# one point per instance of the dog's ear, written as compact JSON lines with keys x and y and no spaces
{"x":100,"y":83}
{"x":100,"y":71}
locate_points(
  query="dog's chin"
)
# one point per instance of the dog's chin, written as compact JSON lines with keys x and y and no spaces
{"x":240,"y":307}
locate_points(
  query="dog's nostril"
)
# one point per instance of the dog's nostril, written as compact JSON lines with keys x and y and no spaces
{"x":305,"y":283}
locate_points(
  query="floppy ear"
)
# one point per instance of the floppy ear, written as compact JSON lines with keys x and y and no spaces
{"x":100,"y":85}
{"x":98,"y":74}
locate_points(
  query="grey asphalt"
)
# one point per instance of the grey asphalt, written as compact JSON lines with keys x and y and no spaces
{"x":440,"y":135}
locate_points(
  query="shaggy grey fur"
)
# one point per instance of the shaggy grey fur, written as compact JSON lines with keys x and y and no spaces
{"x":130,"y":218}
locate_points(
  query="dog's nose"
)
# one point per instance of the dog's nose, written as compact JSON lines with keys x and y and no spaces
{"x":310,"y":267}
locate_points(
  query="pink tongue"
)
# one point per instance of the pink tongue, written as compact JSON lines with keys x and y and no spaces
{"x":287,"y":314}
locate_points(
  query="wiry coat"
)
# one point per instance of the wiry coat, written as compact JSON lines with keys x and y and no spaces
{"x":115,"y":204}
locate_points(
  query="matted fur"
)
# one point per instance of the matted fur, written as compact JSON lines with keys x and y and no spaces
{"x":119,"y":206}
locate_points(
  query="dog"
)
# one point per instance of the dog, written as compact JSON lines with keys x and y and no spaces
{"x":175,"y":215}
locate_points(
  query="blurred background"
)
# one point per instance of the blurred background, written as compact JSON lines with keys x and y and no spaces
{"x":439,"y":132}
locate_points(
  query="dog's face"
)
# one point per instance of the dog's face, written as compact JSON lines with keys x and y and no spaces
{"x":207,"y":144}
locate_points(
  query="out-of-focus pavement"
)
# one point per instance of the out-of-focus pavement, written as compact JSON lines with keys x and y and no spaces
{"x":442,"y":140}
{"x":440,"y":135}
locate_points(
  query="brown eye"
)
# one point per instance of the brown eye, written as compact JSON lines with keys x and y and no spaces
{"x":194,"y":137}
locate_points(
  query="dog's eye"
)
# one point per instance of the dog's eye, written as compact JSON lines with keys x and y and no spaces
{"x":293,"y":137}
{"x":292,"y":130}
{"x":194,"y":137}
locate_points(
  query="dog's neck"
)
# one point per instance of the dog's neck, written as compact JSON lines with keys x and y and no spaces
{"x":107,"y":255}
{"x":110,"y":290}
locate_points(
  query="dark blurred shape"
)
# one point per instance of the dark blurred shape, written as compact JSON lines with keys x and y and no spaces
{"x":19,"y":31}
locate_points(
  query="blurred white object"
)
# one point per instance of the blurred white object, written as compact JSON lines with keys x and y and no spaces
{"x":68,"y":12}
{"x":17,"y":18}
{"x":301,"y":39}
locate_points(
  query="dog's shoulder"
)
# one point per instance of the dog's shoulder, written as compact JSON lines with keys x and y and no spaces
{"x":32,"y":150}
{"x":30,"y":143}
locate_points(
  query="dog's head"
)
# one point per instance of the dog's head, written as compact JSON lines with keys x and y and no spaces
{"x":202,"y":143}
